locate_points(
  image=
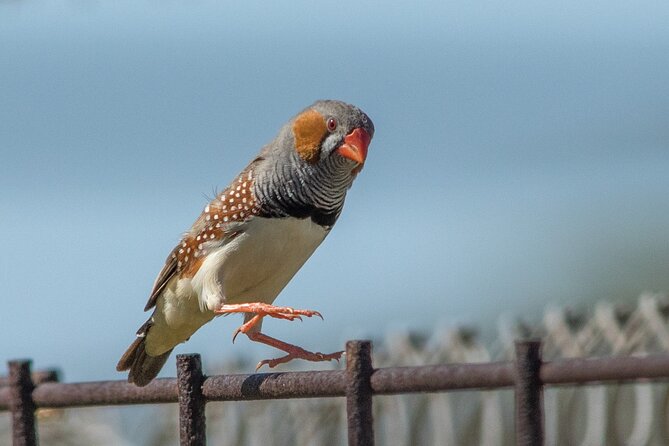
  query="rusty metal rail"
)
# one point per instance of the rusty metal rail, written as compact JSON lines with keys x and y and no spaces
{"x":23,"y":392}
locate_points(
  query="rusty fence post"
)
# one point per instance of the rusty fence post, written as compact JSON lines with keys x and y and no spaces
{"x":359,"y":393}
{"x":192,"y":428}
{"x":529,"y":394}
{"x":22,"y":406}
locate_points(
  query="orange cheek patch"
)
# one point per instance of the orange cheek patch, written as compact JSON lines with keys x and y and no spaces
{"x":309,"y":129}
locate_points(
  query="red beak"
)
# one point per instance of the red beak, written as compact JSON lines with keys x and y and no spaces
{"x":355,"y":146}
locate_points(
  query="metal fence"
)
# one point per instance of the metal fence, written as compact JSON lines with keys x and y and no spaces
{"x":528,"y":375}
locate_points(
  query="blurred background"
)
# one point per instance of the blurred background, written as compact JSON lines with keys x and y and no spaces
{"x":520,"y":161}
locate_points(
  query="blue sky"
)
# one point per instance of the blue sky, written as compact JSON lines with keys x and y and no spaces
{"x":520,"y":160}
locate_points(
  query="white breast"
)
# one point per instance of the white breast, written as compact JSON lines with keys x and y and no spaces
{"x":256,"y":265}
{"x":253,"y":267}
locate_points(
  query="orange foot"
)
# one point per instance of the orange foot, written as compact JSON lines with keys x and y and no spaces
{"x":261,"y":310}
{"x":294,"y":352}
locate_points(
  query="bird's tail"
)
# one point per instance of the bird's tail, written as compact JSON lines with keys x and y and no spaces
{"x":142,"y":366}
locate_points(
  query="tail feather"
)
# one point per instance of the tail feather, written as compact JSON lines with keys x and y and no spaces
{"x":142,"y":367}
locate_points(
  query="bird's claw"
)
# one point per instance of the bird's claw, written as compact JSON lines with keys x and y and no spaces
{"x":286,"y":313}
{"x":234,"y":336}
{"x":286,"y":316}
{"x":306,"y":355}
{"x":292,"y":314}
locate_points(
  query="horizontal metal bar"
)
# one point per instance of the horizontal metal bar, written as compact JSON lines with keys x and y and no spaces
{"x":387,"y":381}
{"x":105,"y":393}
{"x":436,"y":378}
{"x":606,"y":369}
{"x":392,"y":380}
{"x":263,"y":386}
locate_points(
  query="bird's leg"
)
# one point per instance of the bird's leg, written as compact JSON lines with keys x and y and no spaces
{"x":261,"y":310}
{"x":248,"y":325}
{"x":267,"y":310}
{"x":294,"y":352}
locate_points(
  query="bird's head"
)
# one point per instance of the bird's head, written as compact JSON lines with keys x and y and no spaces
{"x":327,"y":139}
{"x":332,"y":133}
{"x":314,"y":159}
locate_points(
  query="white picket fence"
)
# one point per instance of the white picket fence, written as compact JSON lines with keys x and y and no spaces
{"x":631,"y":414}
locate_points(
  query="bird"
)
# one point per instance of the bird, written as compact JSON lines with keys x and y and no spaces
{"x":253,"y":237}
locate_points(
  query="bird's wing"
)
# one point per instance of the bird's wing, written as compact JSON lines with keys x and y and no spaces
{"x":168,"y":271}
{"x":222,"y":220}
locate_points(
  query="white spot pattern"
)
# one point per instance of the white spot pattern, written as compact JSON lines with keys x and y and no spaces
{"x":226,"y":208}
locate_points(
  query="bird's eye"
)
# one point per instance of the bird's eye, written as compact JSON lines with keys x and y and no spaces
{"x":332,"y":124}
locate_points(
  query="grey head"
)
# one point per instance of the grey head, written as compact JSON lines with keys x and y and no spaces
{"x":307,"y":169}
